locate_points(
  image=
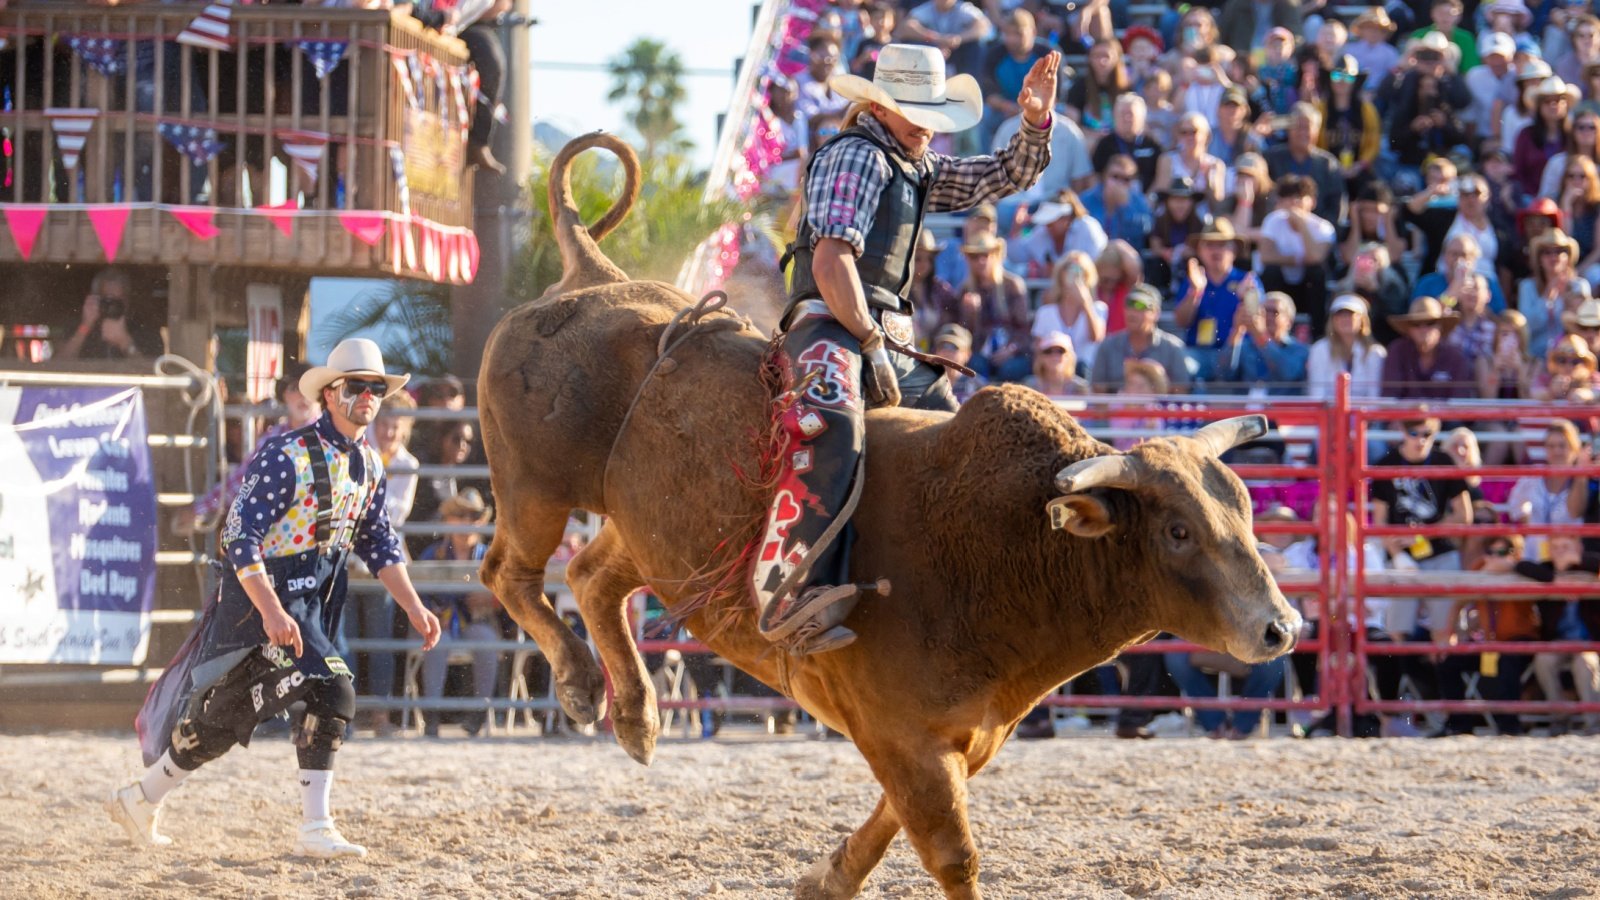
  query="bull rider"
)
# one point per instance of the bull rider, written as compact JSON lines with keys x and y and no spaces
{"x":848,"y":324}
{"x":309,"y":498}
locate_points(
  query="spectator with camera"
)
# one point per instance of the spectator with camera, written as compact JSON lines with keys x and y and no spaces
{"x":107,"y":330}
{"x":1261,"y":356}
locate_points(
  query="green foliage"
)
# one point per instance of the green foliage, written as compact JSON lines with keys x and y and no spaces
{"x":410,"y":321}
{"x":649,"y":79}
{"x":653,"y":242}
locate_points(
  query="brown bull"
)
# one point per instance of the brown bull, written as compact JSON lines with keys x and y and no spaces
{"x":1021,"y":551}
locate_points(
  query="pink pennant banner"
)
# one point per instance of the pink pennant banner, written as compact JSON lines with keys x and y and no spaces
{"x":108,"y":223}
{"x":281,"y":214}
{"x":472,"y":256}
{"x":200,"y":220}
{"x":25,"y":222}
{"x":364,"y":227}
{"x":430,"y":251}
{"x":71,"y":128}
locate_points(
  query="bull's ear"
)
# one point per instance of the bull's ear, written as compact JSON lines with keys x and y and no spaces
{"x":1083,"y":515}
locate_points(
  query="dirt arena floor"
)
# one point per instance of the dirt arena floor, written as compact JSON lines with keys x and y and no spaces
{"x":1073,"y":817}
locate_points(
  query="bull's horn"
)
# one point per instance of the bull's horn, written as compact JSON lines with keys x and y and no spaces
{"x":1220,"y":437}
{"x":1099,"y":471}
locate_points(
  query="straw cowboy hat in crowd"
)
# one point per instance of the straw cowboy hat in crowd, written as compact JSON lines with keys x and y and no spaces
{"x":909,"y":80}
{"x":353,"y":357}
{"x":1587,"y":315}
{"x":1218,"y":230}
{"x":1376,"y":15}
{"x":1555,"y":237}
{"x":468,"y":503}
{"x":984,"y":243}
{"x":1555,"y":87}
{"x":1423,"y":311}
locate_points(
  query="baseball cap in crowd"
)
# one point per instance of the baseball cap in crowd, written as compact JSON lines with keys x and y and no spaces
{"x":1497,"y":43}
{"x":984,"y":211}
{"x":1535,"y":71}
{"x":1347,"y":303}
{"x":1143,"y":296}
{"x":1236,"y":95}
{"x":1526,"y":44}
{"x":1058,"y":339}
{"x":1049,"y":211}
{"x":1143,"y":33}
{"x":953,"y":335}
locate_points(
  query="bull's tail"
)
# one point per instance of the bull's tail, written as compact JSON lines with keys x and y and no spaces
{"x":582,"y":262}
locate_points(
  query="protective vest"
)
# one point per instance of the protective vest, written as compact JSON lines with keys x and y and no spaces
{"x":885,"y":261}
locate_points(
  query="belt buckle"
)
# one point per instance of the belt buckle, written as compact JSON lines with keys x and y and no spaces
{"x":897,"y":327}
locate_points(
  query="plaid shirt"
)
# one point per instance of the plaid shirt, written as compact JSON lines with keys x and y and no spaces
{"x":846,"y":179}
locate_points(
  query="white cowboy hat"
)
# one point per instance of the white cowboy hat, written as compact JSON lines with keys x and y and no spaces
{"x":909,"y":80}
{"x":353,"y":356}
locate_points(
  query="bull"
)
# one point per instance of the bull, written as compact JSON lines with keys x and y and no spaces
{"x":1019,"y":550}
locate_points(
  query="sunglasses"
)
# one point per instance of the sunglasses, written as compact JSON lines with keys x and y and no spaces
{"x":1553,"y":251}
{"x":1055,"y":351}
{"x":1564,"y":360}
{"x":1552,"y":99}
{"x":1578,"y":175}
{"x":1586,"y":126}
{"x":1341,"y":77}
{"x":1421,"y":434}
{"x":1120,"y":179}
{"x":355,"y":387}
{"x":1500,"y":550}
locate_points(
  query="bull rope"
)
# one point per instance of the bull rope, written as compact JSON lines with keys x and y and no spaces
{"x":713,"y":301}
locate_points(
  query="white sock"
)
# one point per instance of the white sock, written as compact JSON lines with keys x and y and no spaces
{"x":161,"y":778}
{"x":315,"y":787}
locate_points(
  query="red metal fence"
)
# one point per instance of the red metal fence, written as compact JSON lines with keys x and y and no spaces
{"x":1336,"y":593}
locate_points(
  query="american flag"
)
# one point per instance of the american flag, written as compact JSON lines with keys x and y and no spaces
{"x":71,"y":127}
{"x":104,"y":54}
{"x":199,"y":144}
{"x":325,"y":56}
{"x":306,"y":149}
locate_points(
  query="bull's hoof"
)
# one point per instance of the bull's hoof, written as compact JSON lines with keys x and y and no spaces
{"x":583,"y":695}
{"x":820,"y":883}
{"x":637,"y":730}
{"x":636,"y":724}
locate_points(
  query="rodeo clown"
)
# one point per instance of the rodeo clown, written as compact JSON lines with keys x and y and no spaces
{"x":308,"y":499}
{"x":848,"y":323}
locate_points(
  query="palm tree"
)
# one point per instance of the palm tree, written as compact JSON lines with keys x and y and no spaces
{"x":410,"y":320}
{"x":649,"y":77}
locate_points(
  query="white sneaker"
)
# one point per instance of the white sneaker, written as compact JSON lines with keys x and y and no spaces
{"x":138,"y":817}
{"x":321,"y":840}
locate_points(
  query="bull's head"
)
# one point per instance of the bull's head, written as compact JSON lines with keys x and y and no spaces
{"x":1187,"y":517}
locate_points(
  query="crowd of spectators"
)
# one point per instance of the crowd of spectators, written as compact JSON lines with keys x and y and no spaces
{"x":1253,"y":197}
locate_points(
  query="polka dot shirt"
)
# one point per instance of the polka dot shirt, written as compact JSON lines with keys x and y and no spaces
{"x":274,"y":514}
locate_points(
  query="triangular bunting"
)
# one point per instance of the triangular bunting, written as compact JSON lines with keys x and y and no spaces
{"x":200,"y":220}
{"x":325,"y":56}
{"x":282,"y":215}
{"x":306,"y":149}
{"x":430,"y":251}
{"x":209,"y":30}
{"x":104,"y":55}
{"x":472,"y":256}
{"x":198,"y":143}
{"x":365,"y":227}
{"x":108,"y":222}
{"x":402,"y":68}
{"x":25,"y":222}
{"x":71,"y":127}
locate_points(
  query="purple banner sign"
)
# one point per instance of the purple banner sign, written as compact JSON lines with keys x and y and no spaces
{"x":77,"y":526}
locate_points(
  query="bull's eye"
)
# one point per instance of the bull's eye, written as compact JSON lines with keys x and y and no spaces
{"x":1179,"y":532}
